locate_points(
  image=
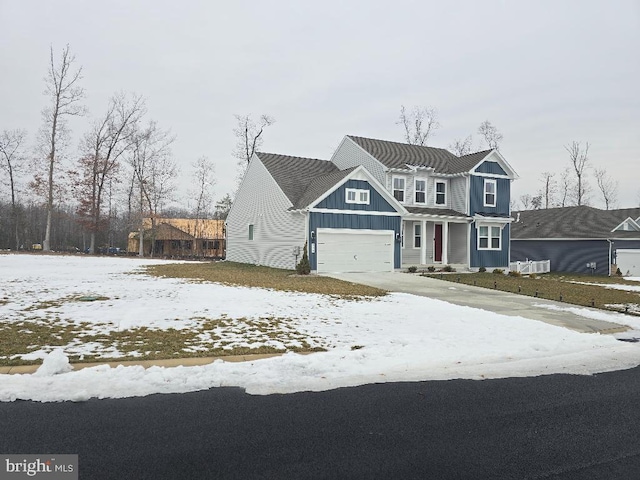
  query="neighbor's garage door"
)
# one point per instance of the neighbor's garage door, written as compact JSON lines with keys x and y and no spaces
{"x":628,"y":262}
{"x":347,"y":250}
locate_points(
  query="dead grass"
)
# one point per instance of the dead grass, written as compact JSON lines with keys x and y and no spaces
{"x":553,"y":286}
{"x":231,"y":273}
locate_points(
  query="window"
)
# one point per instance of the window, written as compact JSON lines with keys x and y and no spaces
{"x":417,"y":237}
{"x":441,"y":192}
{"x":357,"y":195}
{"x":421,"y":191}
{"x":489,"y":237}
{"x":398,"y":189}
{"x":489,"y":193}
{"x":250,"y":232}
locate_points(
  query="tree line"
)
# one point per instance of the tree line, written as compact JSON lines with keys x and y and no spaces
{"x":54,"y":197}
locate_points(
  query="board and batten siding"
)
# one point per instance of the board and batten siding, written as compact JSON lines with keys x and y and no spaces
{"x":260,"y":202}
{"x":354,"y":221}
{"x":350,"y":154}
{"x":337,"y":199}
{"x":489,"y":258}
{"x":492,"y":168}
{"x":476,"y":196}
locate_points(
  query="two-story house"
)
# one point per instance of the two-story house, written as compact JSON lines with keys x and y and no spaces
{"x":375,"y":206}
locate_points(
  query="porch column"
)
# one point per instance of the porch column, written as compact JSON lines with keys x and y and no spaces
{"x":445,"y":243}
{"x":423,"y":242}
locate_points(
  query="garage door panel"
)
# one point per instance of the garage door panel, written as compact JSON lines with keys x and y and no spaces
{"x":344,"y":250}
{"x":629,"y":262}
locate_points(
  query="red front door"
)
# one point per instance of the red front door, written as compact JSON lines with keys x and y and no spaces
{"x":437,"y":243}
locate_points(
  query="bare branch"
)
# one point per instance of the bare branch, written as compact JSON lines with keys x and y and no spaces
{"x":420,"y":124}
{"x":462,"y":147}
{"x":491,"y":135}
{"x":579,"y":159}
{"x":608,"y":187}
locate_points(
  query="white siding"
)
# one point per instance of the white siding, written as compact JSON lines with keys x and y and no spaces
{"x":458,"y":243}
{"x":260,"y":202}
{"x":458,"y":191}
{"x":349,"y":154}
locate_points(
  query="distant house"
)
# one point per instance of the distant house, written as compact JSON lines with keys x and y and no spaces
{"x":180,"y":237}
{"x":375,"y":206}
{"x":578,"y":239}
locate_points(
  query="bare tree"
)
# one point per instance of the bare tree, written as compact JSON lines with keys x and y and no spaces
{"x":249,"y":135}
{"x":104,"y":145}
{"x":154,"y":172}
{"x":204,"y":180}
{"x":579,"y":159}
{"x":491,"y":135}
{"x":64,"y":95}
{"x":11,"y":151}
{"x":462,"y":147}
{"x":549,"y":189}
{"x":419,"y":124}
{"x":525,"y":200}
{"x":565,"y":187}
{"x":608,"y":187}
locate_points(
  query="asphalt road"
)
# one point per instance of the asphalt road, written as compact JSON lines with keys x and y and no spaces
{"x":559,"y":426}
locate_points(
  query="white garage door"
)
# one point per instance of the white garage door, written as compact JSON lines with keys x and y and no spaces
{"x":347,"y":250}
{"x":629,"y":262}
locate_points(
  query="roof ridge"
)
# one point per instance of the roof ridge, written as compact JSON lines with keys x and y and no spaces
{"x":291,"y":156}
{"x":400,"y":143}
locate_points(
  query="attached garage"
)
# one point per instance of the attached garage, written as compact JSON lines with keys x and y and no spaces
{"x":628,"y":262}
{"x":355,"y":250}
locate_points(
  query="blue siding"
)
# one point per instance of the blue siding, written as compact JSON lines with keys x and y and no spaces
{"x":337,"y":199}
{"x":565,"y":255}
{"x":489,"y":258}
{"x":492,"y":168}
{"x":476,"y":196}
{"x":354,"y":221}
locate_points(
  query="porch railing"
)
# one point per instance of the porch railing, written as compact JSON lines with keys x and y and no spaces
{"x":542,"y":266}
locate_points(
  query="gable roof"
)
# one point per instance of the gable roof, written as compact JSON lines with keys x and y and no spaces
{"x":300,"y":178}
{"x":399,"y":155}
{"x":571,"y":222}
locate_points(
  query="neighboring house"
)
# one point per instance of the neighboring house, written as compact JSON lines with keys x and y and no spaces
{"x":180,"y":237}
{"x":576,"y":238}
{"x":375,"y":206}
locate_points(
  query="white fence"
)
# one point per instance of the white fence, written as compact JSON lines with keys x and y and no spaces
{"x":543,"y":266}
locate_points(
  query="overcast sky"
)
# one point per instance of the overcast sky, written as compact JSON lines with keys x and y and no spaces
{"x":545,"y":73}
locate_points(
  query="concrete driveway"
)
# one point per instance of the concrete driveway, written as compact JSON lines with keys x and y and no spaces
{"x":491,"y":300}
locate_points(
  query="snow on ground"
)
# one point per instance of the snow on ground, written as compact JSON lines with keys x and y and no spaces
{"x":614,"y":286}
{"x":633,"y":279}
{"x":398,"y":337}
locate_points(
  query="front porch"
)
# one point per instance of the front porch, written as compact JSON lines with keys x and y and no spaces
{"x":435,"y":242}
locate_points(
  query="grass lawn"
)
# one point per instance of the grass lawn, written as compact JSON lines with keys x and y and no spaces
{"x":39,"y":325}
{"x":567,"y":288}
{"x":231,"y":273}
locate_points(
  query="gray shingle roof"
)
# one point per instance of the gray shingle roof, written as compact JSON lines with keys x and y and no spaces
{"x":447,"y":212}
{"x":300,"y":178}
{"x":572,"y":222}
{"x":398,"y":155}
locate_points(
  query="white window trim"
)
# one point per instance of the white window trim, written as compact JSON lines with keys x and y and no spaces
{"x":489,"y":237}
{"x":435,"y":191}
{"x":485,"y":193}
{"x":357,"y":192}
{"x":415,"y":190}
{"x":404,"y":190}
{"x":420,"y":236}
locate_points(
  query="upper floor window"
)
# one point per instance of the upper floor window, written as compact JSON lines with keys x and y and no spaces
{"x":490,"y":189}
{"x":441,"y":192}
{"x":489,"y":238}
{"x":357,"y":195}
{"x":398,"y":188}
{"x":250,"y":232}
{"x":421,"y":191}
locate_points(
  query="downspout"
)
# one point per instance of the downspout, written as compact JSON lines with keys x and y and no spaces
{"x":610,"y":254}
